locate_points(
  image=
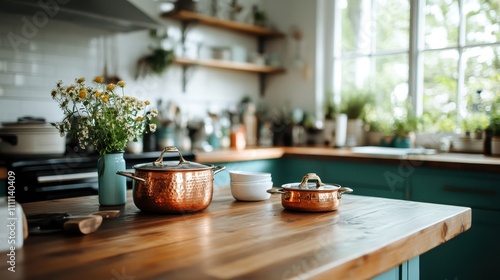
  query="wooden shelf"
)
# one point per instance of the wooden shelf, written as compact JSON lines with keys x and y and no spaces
{"x":188,"y":18}
{"x":222,"y":23}
{"x":230,"y":65}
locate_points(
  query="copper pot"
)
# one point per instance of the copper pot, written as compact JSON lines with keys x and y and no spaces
{"x":172,"y":186}
{"x":310,"y":197}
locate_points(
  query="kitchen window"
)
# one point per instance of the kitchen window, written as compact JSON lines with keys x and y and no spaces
{"x":441,"y":58}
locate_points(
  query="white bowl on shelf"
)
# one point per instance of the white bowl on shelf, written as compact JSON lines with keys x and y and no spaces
{"x":251,"y":191}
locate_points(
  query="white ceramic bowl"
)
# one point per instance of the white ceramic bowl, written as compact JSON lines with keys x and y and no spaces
{"x":267,"y":180}
{"x":251,"y":192}
{"x":246,"y":176}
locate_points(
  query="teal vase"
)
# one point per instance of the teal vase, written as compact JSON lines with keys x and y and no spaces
{"x":112,"y":187}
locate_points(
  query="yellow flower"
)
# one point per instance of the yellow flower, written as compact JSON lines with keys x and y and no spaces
{"x":98,"y":79}
{"x":82,"y":94}
{"x":111,"y":87}
{"x":99,"y":109}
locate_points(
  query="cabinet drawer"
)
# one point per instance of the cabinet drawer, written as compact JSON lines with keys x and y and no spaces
{"x":472,"y":189}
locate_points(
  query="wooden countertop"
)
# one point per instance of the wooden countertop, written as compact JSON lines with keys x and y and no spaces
{"x":230,"y":239}
{"x":471,"y":162}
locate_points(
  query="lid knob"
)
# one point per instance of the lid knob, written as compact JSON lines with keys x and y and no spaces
{"x":310,"y":176}
{"x":159,"y":161}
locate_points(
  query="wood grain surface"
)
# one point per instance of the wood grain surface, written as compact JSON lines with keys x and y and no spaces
{"x":238,"y":240}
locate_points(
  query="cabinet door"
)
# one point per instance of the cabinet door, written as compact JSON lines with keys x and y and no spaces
{"x":474,"y":254}
{"x":472,"y":189}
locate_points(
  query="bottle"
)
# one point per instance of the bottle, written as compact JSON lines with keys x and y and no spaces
{"x":238,"y":138}
{"x":250,"y":123}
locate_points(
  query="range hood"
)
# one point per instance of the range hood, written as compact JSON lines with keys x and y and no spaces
{"x":111,"y":15}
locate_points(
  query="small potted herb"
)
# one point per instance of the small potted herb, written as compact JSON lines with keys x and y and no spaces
{"x":404,"y":130}
{"x":495,"y":135}
{"x":353,"y":105}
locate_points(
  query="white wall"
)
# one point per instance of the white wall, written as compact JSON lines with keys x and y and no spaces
{"x":295,"y":89}
{"x":64,"y":51}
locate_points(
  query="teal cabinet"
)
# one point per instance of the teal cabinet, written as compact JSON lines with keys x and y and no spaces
{"x":381,"y":180}
{"x":476,"y":251}
{"x":472,"y":189}
{"x":406,"y":271}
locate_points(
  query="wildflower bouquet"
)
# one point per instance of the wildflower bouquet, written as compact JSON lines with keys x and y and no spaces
{"x":106,"y":119}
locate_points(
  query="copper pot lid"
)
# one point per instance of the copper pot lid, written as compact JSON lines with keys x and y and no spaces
{"x":181,"y":165}
{"x":304,"y":185}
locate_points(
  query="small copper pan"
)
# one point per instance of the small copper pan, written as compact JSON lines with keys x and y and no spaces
{"x":310,"y":197}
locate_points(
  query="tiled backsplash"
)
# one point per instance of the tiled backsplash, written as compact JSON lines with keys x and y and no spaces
{"x":32,"y":62}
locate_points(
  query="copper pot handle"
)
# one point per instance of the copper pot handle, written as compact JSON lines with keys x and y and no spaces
{"x":310,"y":176}
{"x":218,"y":169}
{"x":130,"y":175}
{"x":159,"y":161}
{"x":276,"y":190}
{"x":343,"y":190}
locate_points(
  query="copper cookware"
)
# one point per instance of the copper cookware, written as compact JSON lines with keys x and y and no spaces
{"x":310,"y":197}
{"x":172,"y":186}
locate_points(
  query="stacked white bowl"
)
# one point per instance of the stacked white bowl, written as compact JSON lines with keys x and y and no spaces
{"x":250,"y":186}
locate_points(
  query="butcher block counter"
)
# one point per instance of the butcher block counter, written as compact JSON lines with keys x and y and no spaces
{"x":366,"y":237}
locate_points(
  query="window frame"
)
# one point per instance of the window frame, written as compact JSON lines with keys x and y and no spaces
{"x":331,"y":50}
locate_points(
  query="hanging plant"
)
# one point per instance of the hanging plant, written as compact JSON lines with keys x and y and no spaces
{"x":159,"y":60}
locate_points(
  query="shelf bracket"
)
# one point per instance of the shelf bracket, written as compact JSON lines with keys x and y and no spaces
{"x":260,"y":44}
{"x":262,"y":83}
{"x":185,"y":24}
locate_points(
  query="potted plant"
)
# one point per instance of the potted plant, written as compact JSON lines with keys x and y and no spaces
{"x":160,"y":58}
{"x":404,"y":131}
{"x":475,"y":124}
{"x":378,"y":126}
{"x":353,"y":105}
{"x":108,"y":120}
{"x":495,"y":135}
{"x":329,"y":121}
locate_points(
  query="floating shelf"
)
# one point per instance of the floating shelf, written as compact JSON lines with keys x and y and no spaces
{"x":262,"y":34}
{"x":225,"y":24}
{"x":230,"y":65}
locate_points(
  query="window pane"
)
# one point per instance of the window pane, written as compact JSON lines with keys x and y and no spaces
{"x":393,"y":25}
{"x":482,"y":74}
{"x":440,"y":72}
{"x":366,"y":28}
{"x":441,"y":23}
{"x":356,"y":26}
{"x":482,"y":21}
{"x":385,"y":76}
